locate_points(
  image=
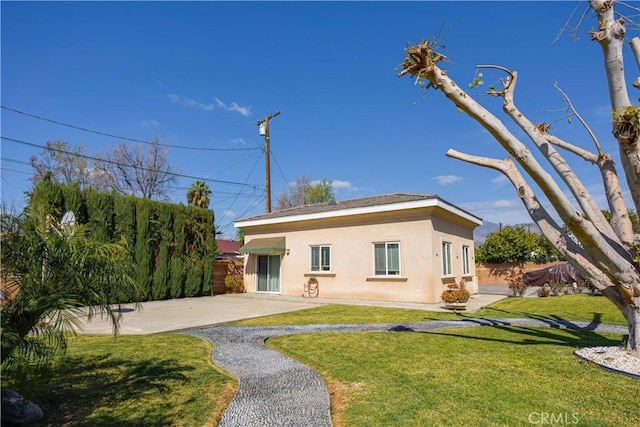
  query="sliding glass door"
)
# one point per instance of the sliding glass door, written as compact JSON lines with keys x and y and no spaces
{"x":268,"y":274}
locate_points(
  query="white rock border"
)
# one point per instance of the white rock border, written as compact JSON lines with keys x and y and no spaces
{"x":615,"y":359}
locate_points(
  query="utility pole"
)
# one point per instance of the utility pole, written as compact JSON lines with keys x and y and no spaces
{"x":264,"y":130}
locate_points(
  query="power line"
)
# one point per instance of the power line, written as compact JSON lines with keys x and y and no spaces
{"x":13,"y":170}
{"x":125,"y":165}
{"x":22,"y":162}
{"x":217,"y":193}
{"x":281,"y":173}
{"x":225,"y":225}
{"x":236,"y":164}
{"x":238,"y":195}
{"x":182,"y":147}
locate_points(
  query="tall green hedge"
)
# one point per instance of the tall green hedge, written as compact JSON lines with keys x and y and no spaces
{"x":125,"y":219}
{"x":207,"y":262}
{"x":100,"y":210}
{"x":74,"y":202}
{"x":144,"y":246}
{"x":173,"y":246}
{"x":161,"y":283}
{"x":47,"y":199}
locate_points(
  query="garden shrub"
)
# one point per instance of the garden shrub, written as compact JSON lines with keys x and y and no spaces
{"x":234,"y":283}
{"x":556,"y":288}
{"x":518,"y":289}
{"x":544,"y":291}
{"x":450,"y":296}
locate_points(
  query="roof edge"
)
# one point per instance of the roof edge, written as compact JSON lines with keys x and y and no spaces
{"x":390,"y":207}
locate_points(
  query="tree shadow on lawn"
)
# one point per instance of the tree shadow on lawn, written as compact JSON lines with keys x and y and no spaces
{"x":543,"y":336}
{"x":80,"y":386}
{"x":550,"y":320}
{"x":572,"y":335}
{"x":580,"y":336}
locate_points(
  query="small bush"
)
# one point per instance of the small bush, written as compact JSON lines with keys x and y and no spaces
{"x":518,"y":289}
{"x":544,"y":291}
{"x":556,"y":288}
{"x":234,"y":283}
{"x":455,"y":296}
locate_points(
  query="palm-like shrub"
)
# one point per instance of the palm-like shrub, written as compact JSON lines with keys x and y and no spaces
{"x":51,"y":277}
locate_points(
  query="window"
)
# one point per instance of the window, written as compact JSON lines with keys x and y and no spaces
{"x":386,"y":259}
{"x":465,"y":260}
{"x":446,"y":259}
{"x":320,"y":258}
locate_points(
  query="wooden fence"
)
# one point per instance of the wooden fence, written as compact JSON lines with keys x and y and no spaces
{"x":221,"y":269}
{"x":502,"y":274}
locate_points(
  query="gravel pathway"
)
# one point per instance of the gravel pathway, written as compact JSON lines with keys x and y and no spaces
{"x":275,"y":390}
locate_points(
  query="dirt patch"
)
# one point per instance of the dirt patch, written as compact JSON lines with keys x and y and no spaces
{"x":341,"y":395}
{"x":222,"y":400}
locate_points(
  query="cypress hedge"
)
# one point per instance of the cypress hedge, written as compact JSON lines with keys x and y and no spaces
{"x":101,"y":215}
{"x":144,"y":246}
{"x":161,"y":282}
{"x":173,"y":246}
{"x":125,"y":220}
{"x":177,"y":256}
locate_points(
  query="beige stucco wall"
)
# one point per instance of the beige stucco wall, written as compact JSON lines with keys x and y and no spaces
{"x":420,"y":233}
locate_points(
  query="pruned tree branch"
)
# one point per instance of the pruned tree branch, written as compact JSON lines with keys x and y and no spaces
{"x":584,"y":124}
{"x":557,"y":237}
{"x":603,"y":252}
{"x":423,"y":56}
{"x":635,"y":49}
{"x":564,"y":171}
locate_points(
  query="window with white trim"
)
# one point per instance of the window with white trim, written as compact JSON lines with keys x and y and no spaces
{"x":466,"y":269}
{"x":386,"y":258}
{"x":446,"y":258}
{"x":320,"y":258}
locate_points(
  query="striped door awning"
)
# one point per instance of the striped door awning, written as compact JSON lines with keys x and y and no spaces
{"x":265,"y":246}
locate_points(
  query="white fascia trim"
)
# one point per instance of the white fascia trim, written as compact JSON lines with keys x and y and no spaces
{"x":360,"y":211}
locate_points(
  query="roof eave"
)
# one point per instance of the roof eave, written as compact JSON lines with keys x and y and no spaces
{"x":433,"y":202}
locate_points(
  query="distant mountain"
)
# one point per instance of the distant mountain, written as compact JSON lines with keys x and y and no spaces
{"x":481,"y":233}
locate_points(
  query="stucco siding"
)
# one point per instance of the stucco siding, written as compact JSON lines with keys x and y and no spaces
{"x":458,"y":236}
{"x":351,"y":239}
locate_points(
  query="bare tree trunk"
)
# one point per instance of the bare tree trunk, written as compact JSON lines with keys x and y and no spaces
{"x":631,"y":315}
{"x":605,"y":253}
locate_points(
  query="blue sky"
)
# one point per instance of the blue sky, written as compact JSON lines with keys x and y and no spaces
{"x":200,"y":74}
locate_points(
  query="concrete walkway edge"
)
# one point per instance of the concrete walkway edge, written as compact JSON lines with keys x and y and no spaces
{"x":186,"y":313}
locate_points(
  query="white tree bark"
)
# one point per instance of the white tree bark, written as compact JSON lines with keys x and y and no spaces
{"x":610,"y":36}
{"x":620,"y":221}
{"x":605,"y":253}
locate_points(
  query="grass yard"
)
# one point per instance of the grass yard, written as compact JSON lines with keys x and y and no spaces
{"x":587,"y":308}
{"x":485,"y":376}
{"x":160,"y":379}
{"x":475,"y":376}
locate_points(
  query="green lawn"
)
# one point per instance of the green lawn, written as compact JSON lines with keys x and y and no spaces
{"x":160,"y":379}
{"x":582,"y":307}
{"x":485,"y":376}
{"x":477,"y":376}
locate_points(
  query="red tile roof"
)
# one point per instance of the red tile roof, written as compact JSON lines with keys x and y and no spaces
{"x":228,"y":246}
